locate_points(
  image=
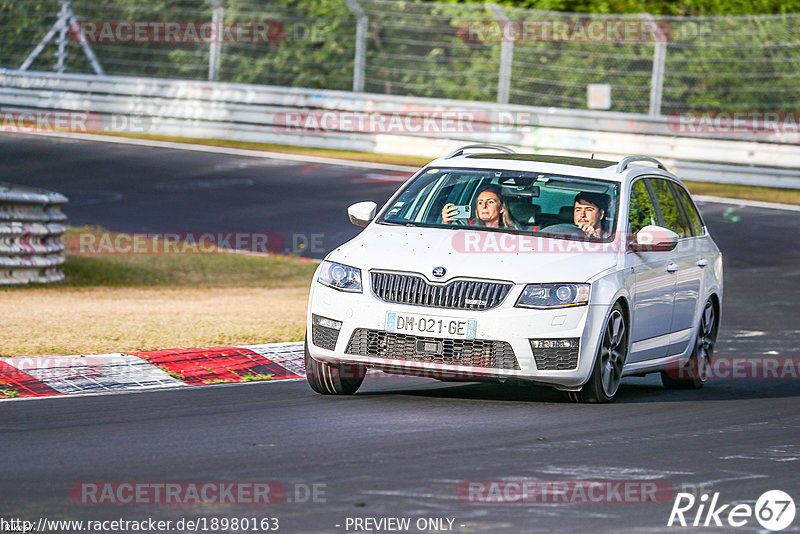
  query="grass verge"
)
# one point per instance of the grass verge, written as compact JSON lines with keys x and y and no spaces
{"x":134,"y":302}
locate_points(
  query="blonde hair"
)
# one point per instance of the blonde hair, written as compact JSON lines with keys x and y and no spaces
{"x":506,"y":220}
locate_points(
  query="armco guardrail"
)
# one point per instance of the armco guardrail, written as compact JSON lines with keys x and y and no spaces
{"x":280,"y":115}
{"x":31,"y":248}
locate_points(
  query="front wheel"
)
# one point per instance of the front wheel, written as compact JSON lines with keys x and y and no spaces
{"x":333,"y":379}
{"x":694,"y":373}
{"x":607,"y":373}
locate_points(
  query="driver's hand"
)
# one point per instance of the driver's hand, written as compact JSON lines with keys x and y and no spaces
{"x":448,"y":212}
{"x":589,"y":230}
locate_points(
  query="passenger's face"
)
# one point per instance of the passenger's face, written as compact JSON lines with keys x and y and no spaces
{"x":587,"y":213}
{"x":488,"y":206}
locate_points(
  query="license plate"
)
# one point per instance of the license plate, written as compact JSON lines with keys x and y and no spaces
{"x":431,"y":325}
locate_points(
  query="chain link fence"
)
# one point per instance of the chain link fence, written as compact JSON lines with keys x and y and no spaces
{"x":480,"y":52}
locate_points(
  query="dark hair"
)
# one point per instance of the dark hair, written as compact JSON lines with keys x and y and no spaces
{"x":599,"y":200}
{"x":506,"y":220}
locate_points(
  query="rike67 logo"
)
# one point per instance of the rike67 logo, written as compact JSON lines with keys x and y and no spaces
{"x":774,"y":510}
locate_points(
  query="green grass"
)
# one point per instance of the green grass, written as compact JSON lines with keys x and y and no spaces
{"x":745,"y":192}
{"x":180,"y":270}
{"x":190,"y":270}
{"x":256,"y":377}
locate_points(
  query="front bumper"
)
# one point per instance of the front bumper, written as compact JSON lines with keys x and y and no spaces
{"x":505,"y":323}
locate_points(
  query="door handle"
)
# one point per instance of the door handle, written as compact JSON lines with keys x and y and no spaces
{"x":702,"y":262}
{"x":672,"y":267}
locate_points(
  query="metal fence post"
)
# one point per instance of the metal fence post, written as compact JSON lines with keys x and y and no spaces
{"x":215,"y":46}
{"x":61,"y":55}
{"x":657,"y":76}
{"x":360,"y":60}
{"x":506,"y":56}
{"x":65,"y":18}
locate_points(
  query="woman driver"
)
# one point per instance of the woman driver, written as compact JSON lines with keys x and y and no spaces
{"x":488,"y":205}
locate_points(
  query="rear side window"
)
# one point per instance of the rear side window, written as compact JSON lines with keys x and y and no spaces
{"x":641,"y":212}
{"x":671,"y":212}
{"x":695,"y":222}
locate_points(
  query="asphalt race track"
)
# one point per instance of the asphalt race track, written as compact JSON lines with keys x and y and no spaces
{"x":126,"y":188}
{"x":401,"y":447}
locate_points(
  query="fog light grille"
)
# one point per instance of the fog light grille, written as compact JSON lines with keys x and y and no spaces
{"x":555,"y":354}
{"x":324,"y":337}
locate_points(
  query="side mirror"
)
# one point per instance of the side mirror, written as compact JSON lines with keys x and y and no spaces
{"x":361,"y":213}
{"x":653,"y":238}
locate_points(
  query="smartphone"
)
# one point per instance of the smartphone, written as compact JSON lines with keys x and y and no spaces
{"x":463,"y":212}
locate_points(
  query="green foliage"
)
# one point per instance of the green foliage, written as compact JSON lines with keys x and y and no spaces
{"x":663,"y":7}
{"x":642,"y":212}
{"x":422,"y":49}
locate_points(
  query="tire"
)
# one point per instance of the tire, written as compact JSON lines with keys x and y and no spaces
{"x":333,"y":379}
{"x":611,"y":355}
{"x":694,"y":373}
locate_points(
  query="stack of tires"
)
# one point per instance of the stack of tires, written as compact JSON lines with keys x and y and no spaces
{"x":31,"y":229}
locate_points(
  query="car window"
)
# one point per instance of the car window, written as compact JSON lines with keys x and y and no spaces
{"x":671,"y":214}
{"x":641,"y":212}
{"x":533,"y":200}
{"x":695,"y":222}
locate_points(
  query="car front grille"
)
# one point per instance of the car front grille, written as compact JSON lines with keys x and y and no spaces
{"x":459,"y":294}
{"x":466,"y":352}
{"x":324,"y":337}
{"x":556,"y":359}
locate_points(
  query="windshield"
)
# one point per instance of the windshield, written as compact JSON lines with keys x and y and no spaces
{"x":510,"y":201}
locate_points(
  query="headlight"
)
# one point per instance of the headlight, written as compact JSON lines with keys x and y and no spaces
{"x":543,"y":296}
{"x":340,"y":277}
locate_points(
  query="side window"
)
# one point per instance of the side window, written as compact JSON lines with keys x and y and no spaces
{"x":453,"y":189}
{"x":641,"y":212}
{"x":695,"y":222}
{"x":670,"y":210}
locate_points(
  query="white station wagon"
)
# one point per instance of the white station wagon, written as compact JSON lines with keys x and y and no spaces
{"x":488,"y":265}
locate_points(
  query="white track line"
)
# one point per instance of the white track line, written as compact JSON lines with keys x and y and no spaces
{"x":746,"y":203}
{"x":230,"y":151}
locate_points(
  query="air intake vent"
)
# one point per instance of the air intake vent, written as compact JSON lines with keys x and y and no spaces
{"x":467,"y":352}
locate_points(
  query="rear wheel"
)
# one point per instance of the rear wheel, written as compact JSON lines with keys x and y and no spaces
{"x":333,"y":379}
{"x":694,"y":373}
{"x":611,"y":356}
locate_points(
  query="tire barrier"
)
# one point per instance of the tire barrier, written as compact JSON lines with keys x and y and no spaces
{"x":31,"y":229}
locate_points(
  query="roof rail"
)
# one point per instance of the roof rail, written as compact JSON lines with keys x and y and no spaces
{"x":623,"y":164}
{"x":461,"y":150}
